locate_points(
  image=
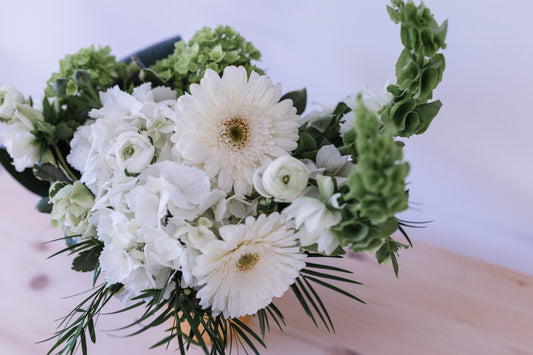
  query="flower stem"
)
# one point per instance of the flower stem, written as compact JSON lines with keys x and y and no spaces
{"x":62,"y":162}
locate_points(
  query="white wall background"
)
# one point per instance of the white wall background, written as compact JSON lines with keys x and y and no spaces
{"x":471,"y":173}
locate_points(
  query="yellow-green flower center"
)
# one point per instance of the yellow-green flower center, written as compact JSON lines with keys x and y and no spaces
{"x":247,"y":261}
{"x":234,"y":133}
{"x":128,"y":152}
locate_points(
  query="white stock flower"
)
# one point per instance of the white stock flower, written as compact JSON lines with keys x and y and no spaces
{"x":21,"y":145}
{"x":9,"y":96}
{"x":315,"y":213}
{"x":237,"y":206}
{"x":372,"y":102}
{"x":183,"y":191}
{"x":117,"y":229}
{"x":117,"y":264}
{"x":139,"y":258}
{"x":329,"y":158}
{"x":252,"y":263}
{"x":81,"y":146}
{"x":161,"y":249}
{"x":231,"y":126}
{"x":284,"y":179}
{"x":134,"y":152}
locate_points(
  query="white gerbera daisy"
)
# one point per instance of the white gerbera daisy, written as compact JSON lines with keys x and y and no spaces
{"x":231,"y":126}
{"x":253,"y":263}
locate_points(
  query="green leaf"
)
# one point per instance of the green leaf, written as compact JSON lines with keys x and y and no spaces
{"x":389,"y":251}
{"x":87,"y":260}
{"x":44,"y":205}
{"x":63,"y":131}
{"x":426,"y":113}
{"x":49,"y":172}
{"x":148,"y":75}
{"x":299,"y":99}
{"x":394,"y":14}
{"x":26,"y":177}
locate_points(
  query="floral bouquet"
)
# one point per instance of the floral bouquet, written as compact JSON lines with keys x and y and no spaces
{"x":191,"y":187}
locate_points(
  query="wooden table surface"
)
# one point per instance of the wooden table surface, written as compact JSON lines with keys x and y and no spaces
{"x":442,"y":303}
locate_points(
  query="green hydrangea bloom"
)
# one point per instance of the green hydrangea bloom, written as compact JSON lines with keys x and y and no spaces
{"x":208,"y":48}
{"x":103,"y":69}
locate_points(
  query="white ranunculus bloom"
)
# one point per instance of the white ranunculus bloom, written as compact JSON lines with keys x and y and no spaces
{"x":134,"y":152}
{"x":252,"y":263}
{"x":9,"y":96}
{"x":231,"y":125}
{"x":315,"y":213}
{"x":284,"y":179}
{"x":21,"y":145}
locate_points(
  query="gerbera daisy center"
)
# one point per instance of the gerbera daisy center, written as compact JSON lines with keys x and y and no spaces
{"x":234,"y":133}
{"x":247,"y":261}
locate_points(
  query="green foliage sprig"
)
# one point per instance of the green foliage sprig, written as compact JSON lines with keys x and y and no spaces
{"x":207,"y":49}
{"x":419,"y":69}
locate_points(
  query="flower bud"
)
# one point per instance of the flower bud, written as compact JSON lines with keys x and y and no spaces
{"x":9,"y":96}
{"x":82,"y":78}
{"x":60,"y":87}
{"x":284,"y":179}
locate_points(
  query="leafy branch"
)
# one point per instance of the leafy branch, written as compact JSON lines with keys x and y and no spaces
{"x":307,"y":296}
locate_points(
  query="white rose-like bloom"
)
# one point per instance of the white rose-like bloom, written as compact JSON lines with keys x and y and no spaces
{"x":284,"y":179}
{"x":21,"y":145}
{"x":253,"y":263}
{"x":315,"y":213}
{"x":231,"y":126}
{"x":9,"y":96}
{"x":134,"y":152}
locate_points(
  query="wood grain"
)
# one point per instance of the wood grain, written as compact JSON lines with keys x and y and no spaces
{"x":443,"y":303}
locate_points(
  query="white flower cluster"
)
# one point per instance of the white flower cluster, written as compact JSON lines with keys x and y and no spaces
{"x":20,"y":119}
{"x":176,"y":185}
